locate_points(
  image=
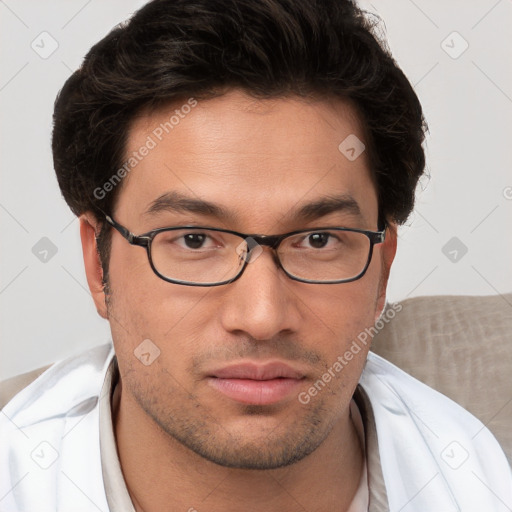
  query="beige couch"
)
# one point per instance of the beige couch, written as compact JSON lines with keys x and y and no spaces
{"x":461,"y":346}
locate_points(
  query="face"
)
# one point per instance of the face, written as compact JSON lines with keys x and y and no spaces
{"x":234,"y":359}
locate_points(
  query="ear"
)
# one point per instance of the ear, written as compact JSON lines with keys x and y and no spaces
{"x":387,"y":252}
{"x":89,"y":227}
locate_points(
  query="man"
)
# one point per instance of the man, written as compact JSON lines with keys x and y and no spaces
{"x":240,"y":169}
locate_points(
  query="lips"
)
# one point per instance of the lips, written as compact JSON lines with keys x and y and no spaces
{"x":256,"y":384}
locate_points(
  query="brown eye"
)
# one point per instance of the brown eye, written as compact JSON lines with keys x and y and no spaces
{"x":318,"y":240}
{"x":194,"y":240}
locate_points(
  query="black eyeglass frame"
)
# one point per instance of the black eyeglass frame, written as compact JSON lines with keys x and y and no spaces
{"x":272,"y":241}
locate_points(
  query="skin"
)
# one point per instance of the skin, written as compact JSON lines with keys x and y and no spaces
{"x":181,"y":443}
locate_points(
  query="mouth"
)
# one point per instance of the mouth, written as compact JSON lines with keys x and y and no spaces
{"x":256,"y":384}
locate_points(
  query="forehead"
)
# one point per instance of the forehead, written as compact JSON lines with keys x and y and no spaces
{"x":246,"y":153}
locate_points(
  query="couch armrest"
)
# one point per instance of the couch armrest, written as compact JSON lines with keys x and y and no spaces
{"x":462,"y":347}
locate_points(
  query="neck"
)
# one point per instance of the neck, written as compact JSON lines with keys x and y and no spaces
{"x":161,"y":474}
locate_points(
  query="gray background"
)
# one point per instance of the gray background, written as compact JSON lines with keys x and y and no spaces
{"x":466,"y":205}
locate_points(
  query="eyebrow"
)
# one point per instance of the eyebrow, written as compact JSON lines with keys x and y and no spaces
{"x":180,"y":203}
{"x":344,"y":203}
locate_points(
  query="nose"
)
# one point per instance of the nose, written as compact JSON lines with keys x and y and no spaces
{"x":262,"y":303}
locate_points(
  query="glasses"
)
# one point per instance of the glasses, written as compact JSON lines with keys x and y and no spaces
{"x":198,"y":256}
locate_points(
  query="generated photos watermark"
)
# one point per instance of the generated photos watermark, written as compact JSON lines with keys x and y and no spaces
{"x":362,"y":340}
{"x":152,"y":140}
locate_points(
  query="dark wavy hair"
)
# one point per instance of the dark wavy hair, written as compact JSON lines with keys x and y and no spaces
{"x":175,"y":49}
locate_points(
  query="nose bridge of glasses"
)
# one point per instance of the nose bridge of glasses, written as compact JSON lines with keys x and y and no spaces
{"x":271,"y":241}
{"x":254,"y":244}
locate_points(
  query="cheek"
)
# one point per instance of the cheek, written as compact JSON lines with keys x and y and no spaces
{"x":149,"y":315}
{"x":339,"y":328}
{"x":339,"y":325}
{"x":145,"y":301}
{"x":345,"y":308}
